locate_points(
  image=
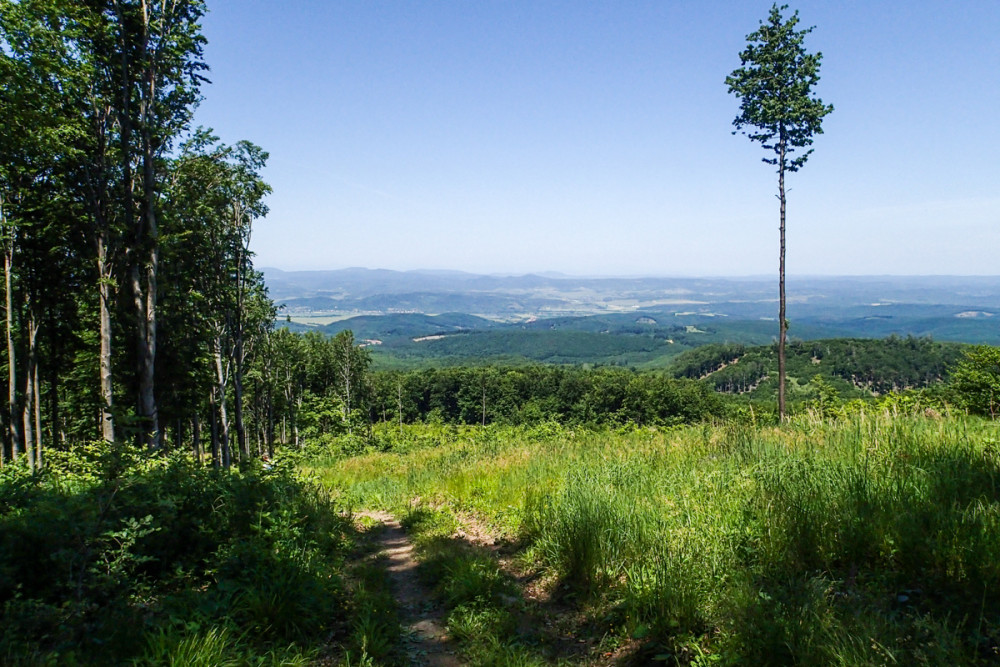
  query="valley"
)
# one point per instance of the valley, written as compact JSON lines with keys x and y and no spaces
{"x":418,"y":318}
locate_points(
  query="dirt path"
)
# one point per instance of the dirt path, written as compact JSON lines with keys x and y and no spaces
{"x":422,"y":621}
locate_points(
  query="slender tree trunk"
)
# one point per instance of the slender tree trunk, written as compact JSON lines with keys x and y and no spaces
{"x":10,"y":430}
{"x":26,"y":416}
{"x":31,"y":376}
{"x":107,"y":387}
{"x":782,"y":322}
{"x":241,"y":434}
{"x":289,"y":394}
{"x":196,"y":439}
{"x":270,"y":424}
{"x":347,"y":388}
{"x":295,"y":418}
{"x":12,"y":404}
{"x":220,"y":376}
{"x":214,"y":419}
{"x":38,"y":419}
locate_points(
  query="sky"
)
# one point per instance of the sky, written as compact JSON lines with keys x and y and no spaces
{"x":595,"y":138}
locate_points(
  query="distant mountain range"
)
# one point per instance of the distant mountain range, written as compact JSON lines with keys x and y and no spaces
{"x":451,"y":316}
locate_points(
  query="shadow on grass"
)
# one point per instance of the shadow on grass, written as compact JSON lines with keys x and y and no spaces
{"x":502,"y":610}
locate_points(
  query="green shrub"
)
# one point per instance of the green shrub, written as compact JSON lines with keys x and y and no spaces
{"x":110,"y":553}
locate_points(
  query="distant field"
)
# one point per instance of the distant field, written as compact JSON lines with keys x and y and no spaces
{"x":319,"y":319}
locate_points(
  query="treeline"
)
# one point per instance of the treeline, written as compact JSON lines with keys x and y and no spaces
{"x":324,"y":386}
{"x":876,"y":366}
{"x":531,"y":394}
{"x":132,"y":309}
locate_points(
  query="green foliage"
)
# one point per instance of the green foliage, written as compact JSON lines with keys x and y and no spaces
{"x":975,"y":381}
{"x":538,"y":394}
{"x":853,"y":367}
{"x":775,"y":85}
{"x":866,"y":539}
{"x":480,"y":599}
{"x":110,"y":555}
{"x":374,"y":630}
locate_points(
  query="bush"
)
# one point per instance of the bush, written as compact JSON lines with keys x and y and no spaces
{"x":109,"y":549}
{"x":975,"y":382}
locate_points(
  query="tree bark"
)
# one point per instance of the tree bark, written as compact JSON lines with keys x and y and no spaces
{"x":107,"y":387}
{"x":196,"y":439}
{"x":12,"y":403}
{"x":782,"y":322}
{"x":241,"y":435}
{"x":31,"y":376}
{"x":220,"y":376}
{"x":270,"y":423}
{"x":38,"y":419}
{"x":214,"y":418}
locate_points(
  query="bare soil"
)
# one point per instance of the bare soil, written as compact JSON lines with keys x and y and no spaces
{"x":422,"y":621}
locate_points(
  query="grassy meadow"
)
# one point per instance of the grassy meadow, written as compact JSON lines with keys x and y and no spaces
{"x":864,"y":540}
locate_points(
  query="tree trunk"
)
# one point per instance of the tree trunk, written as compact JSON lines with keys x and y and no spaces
{"x":214,"y":418}
{"x":241,"y":434}
{"x":220,"y":376}
{"x":107,"y":387}
{"x":38,"y":419}
{"x":12,"y":406}
{"x":196,"y":439}
{"x":270,"y":424}
{"x":295,"y":419}
{"x":31,"y":376}
{"x":146,"y":354}
{"x":145,"y":293}
{"x":55,"y":419}
{"x":782,"y":322}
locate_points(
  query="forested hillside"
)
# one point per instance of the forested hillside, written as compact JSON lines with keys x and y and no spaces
{"x":855,"y":366}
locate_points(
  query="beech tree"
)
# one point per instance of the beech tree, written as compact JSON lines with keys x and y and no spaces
{"x":108,"y":233}
{"x":39,"y":94}
{"x":147,"y":60}
{"x":779,"y":110}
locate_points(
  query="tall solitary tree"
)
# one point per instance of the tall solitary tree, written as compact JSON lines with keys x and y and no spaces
{"x":779,"y":110}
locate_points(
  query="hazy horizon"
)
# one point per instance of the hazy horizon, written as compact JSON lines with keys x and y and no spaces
{"x":550,"y":273}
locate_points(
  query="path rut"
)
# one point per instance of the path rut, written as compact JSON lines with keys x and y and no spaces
{"x":422,"y":620}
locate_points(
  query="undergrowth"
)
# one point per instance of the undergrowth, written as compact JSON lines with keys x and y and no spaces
{"x":872,"y":539}
{"x":111,"y":555}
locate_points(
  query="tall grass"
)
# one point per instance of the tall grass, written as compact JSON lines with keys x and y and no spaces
{"x":868,"y":540}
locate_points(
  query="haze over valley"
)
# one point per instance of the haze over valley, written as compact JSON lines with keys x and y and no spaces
{"x":419,"y":317}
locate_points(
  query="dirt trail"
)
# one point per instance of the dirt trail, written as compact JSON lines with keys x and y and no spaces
{"x":422,"y":621}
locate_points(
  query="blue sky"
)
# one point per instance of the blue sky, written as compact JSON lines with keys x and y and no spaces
{"x":595,"y":138}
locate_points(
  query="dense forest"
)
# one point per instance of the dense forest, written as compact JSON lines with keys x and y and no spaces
{"x":133,"y":309}
{"x":856,"y":366}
